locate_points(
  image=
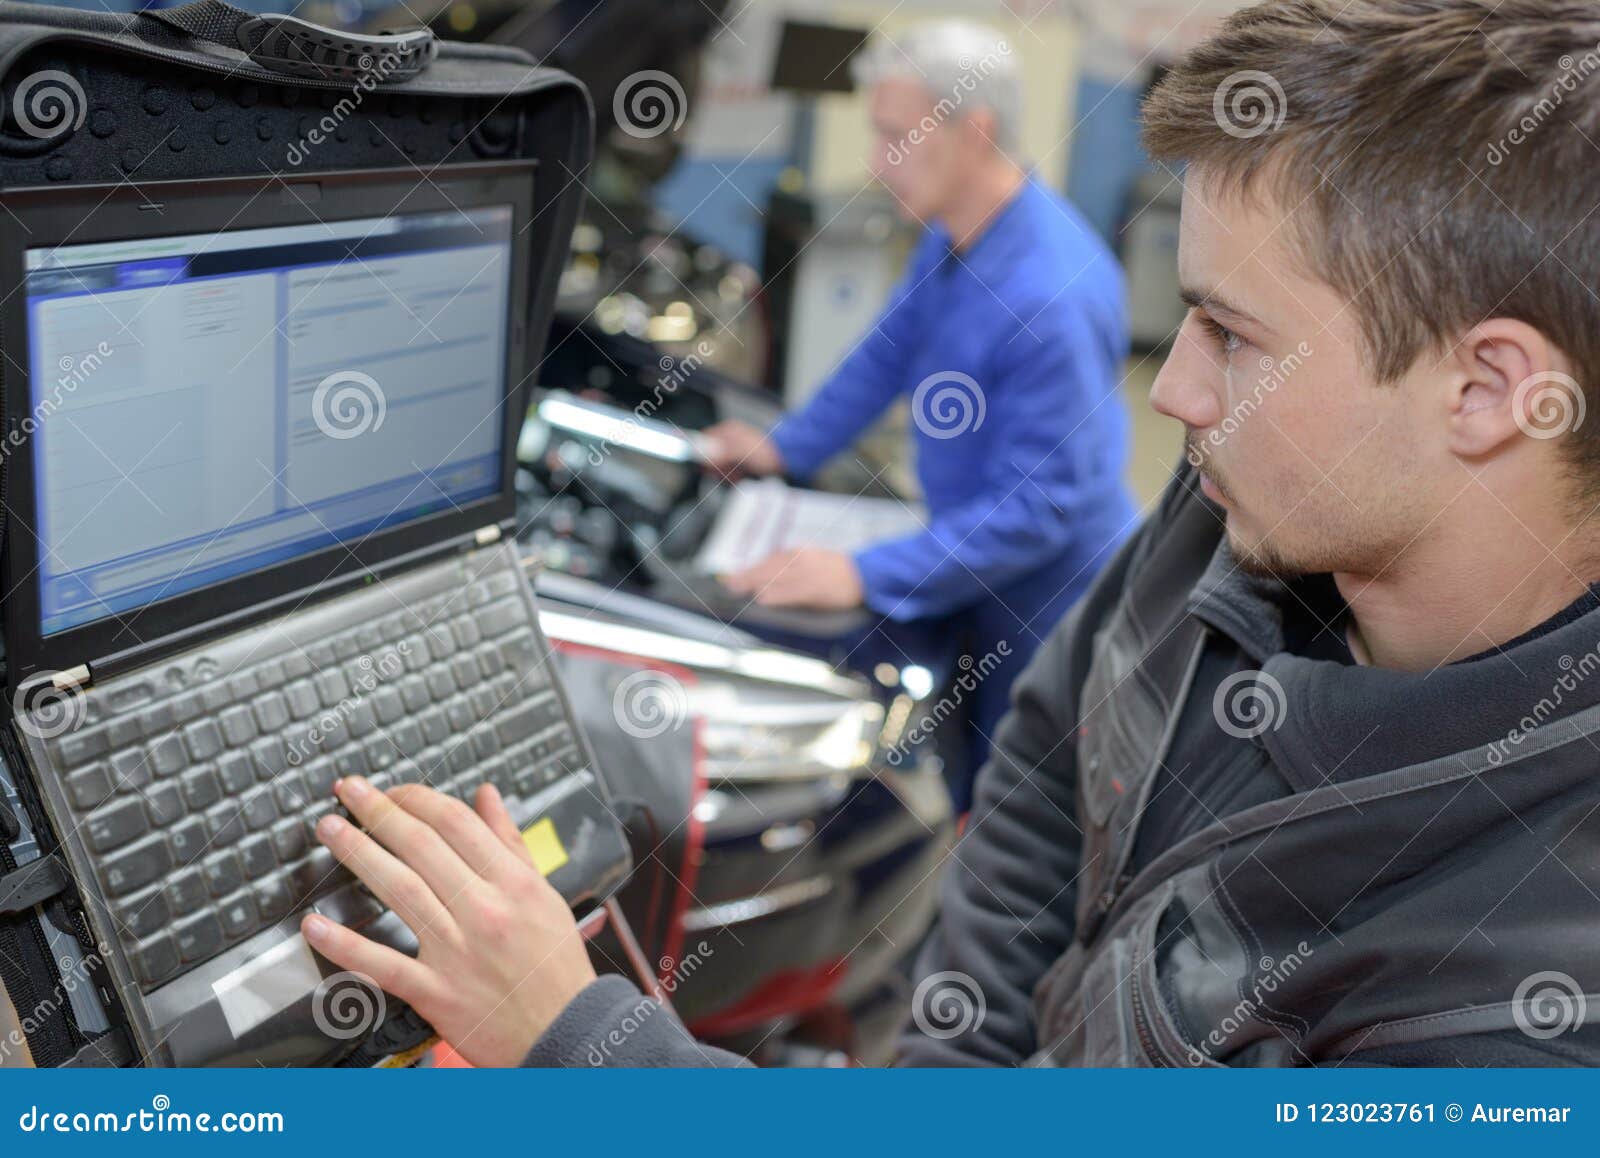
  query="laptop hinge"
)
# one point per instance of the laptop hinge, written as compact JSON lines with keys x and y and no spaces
{"x":74,"y":677}
{"x":31,"y":884}
{"x":483,"y":536}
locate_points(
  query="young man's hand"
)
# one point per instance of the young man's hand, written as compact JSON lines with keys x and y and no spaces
{"x":500,"y":954}
{"x":809,"y":577}
{"x":734,"y":449}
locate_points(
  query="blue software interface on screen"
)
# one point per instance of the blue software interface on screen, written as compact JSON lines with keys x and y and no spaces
{"x":208,"y":405}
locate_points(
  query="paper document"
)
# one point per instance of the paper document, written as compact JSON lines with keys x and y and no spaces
{"x":766,"y":515}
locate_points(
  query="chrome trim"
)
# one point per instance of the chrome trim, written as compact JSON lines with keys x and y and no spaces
{"x":747,"y":909}
{"x":768,"y":664}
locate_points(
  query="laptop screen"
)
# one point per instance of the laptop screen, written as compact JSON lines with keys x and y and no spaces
{"x":213,"y":404}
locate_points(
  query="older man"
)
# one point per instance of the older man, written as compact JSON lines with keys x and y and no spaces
{"x":1007,"y":334}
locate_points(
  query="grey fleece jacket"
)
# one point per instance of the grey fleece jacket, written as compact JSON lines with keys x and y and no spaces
{"x":1023,"y":857}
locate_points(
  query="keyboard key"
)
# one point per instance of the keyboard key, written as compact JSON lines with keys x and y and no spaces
{"x":198,"y":938}
{"x":189,"y":839}
{"x":242,"y":686}
{"x":345,"y":647}
{"x":90,"y":787}
{"x":125,"y":697}
{"x":321,"y":655}
{"x":270,"y":674}
{"x":123,"y":732}
{"x":296,"y":664}
{"x":259,"y":810}
{"x":155,"y":959}
{"x":136,"y":866}
{"x":465,"y":670}
{"x":493,"y":771}
{"x":407,"y":737}
{"x":156,"y":720}
{"x":484,"y":702}
{"x":130,"y":769}
{"x":214,"y":697}
{"x":320,"y":775}
{"x":416,"y":653}
{"x":489,"y":661}
{"x":289,"y":790}
{"x":225,"y":824}
{"x":302,"y":697}
{"x":437,"y":638}
{"x":238,"y":725}
{"x":222,"y":873}
{"x":237,"y":771}
{"x":461,"y":758}
{"x":167,"y":757}
{"x":270,"y":756}
{"x":186,"y":708}
{"x":289,"y":839}
{"x":273,"y":897}
{"x":186,"y":892}
{"x":115,"y":826}
{"x":380,"y":753}
{"x":204,"y":740}
{"x":143,"y":915}
{"x":272,"y":712}
{"x":201,"y":788}
{"x":459,"y":713}
{"x":519,"y":723}
{"x":238,"y":915}
{"x":388,"y":706}
{"x":521,"y":653}
{"x":81,"y":746}
{"x":257,"y":857}
{"x":435,"y":728}
{"x":351,"y":762}
{"x":465,"y":630}
{"x":414,"y":693}
{"x":164,"y":803}
{"x":331,"y":687}
{"x":359,"y":721}
{"x":441,"y":685}
{"x":484,"y":742}
{"x":499,"y":618}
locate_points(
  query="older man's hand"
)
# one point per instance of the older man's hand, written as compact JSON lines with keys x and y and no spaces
{"x":500,"y":955}
{"x":808,"y":577}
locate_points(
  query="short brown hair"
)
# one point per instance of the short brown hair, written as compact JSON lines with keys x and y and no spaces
{"x":1437,"y":156}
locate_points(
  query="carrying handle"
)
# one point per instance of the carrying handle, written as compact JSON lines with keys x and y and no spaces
{"x":296,"y":47}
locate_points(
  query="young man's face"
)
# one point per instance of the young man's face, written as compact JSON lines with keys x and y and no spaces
{"x":1317,"y":467}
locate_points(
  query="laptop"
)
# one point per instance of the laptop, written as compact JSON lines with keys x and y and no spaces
{"x":259,"y":501}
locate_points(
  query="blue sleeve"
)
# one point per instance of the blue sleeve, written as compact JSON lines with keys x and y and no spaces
{"x":865,"y":383}
{"x":1053,"y":453}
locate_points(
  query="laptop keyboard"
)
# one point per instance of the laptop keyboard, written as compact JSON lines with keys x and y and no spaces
{"x":196,"y":804}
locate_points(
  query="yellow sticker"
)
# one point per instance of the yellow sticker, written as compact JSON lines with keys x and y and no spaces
{"x":545,"y":844}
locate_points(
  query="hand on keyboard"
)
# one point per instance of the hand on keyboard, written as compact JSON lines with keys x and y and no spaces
{"x":500,"y":954}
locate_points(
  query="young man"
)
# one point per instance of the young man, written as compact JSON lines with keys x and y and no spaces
{"x":1309,"y":778}
{"x":1007,"y":337}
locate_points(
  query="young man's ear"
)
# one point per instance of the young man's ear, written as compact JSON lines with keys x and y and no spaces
{"x":1507,"y":382}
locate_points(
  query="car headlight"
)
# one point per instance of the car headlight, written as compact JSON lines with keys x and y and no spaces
{"x":762,"y":733}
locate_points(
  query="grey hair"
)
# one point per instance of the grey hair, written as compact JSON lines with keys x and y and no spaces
{"x":963,"y":66}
